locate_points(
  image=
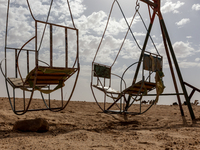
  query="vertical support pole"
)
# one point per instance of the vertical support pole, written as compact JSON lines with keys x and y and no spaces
{"x":177,"y":69}
{"x":150,"y":65}
{"x":104,"y":94}
{"x":172,"y":71}
{"x":62,"y":96}
{"x":49,"y":97}
{"x":66,"y":49}
{"x":27,"y":62}
{"x":77,"y":56}
{"x":14,"y":99}
{"x":15,"y":63}
{"x":51,"y":46}
{"x":104,"y":101}
{"x":24,"y":99}
{"x":36,"y":51}
{"x":6,"y":35}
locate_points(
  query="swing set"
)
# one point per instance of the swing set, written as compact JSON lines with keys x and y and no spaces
{"x":47,"y":78}
{"x":124,"y":98}
{"x":44,"y":77}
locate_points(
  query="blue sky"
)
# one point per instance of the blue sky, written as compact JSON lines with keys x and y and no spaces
{"x":90,"y":16}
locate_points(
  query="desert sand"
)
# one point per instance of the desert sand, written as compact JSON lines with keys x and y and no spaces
{"x":82,"y":126}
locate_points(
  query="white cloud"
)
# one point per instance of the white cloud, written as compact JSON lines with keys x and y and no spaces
{"x":183,"y":49}
{"x":77,"y":7}
{"x":183,"y":21}
{"x":197,"y":59}
{"x":196,"y":7}
{"x":188,"y":37}
{"x":171,"y":7}
{"x":188,"y":64}
{"x":94,"y":22}
{"x":59,"y":10}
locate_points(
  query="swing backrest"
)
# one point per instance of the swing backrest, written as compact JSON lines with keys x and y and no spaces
{"x":102,"y":73}
{"x":152,"y":63}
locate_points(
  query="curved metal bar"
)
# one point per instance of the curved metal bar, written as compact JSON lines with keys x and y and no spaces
{"x":148,"y":107}
{"x":104,"y":31}
{"x":120,"y":78}
{"x":125,"y":72}
{"x":44,"y":62}
{"x":6,"y":83}
{"x":123,"y":77}
{"x":45,"y":26}
{"x":71,"y":13}
{"x":105,"y":92}
{"x":149,"y":33}
{"x":129,"y":28}
{"x":91,"y":86}
{"x":32,"y":91}
{"x":95,"y":97}
{"x":18,"y":58}
{"x":2,"y":69}
{"x":44,"y":100}
{"x":70,"y":94}
{"x":30,"y":9}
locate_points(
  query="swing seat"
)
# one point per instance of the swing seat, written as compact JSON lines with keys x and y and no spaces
{"x":103,"y":71}
{"x":140,"y":87}
{"x":45,"y":76}
{"x":50,"y":75}
{"x":17,"y":83}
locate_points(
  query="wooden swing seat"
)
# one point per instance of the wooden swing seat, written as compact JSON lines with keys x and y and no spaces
{"x":45,"y":76}
{"x":17,"y":83}
{"x":140,"y":88}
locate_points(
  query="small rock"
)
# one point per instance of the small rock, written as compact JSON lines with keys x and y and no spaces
{"x":32,"y":125}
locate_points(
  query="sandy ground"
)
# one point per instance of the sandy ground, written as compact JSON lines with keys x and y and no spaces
{"x":82,"y":126}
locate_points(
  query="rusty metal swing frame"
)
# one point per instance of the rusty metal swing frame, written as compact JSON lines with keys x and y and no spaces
{"x":41,"y":77}
{"x":136,"y":90}
{"x":155,"y":6}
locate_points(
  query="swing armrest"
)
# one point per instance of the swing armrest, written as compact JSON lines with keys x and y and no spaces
{"x":122,"y":78}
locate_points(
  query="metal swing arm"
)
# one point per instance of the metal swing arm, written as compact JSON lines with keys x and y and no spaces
{"x":149,"y":3}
